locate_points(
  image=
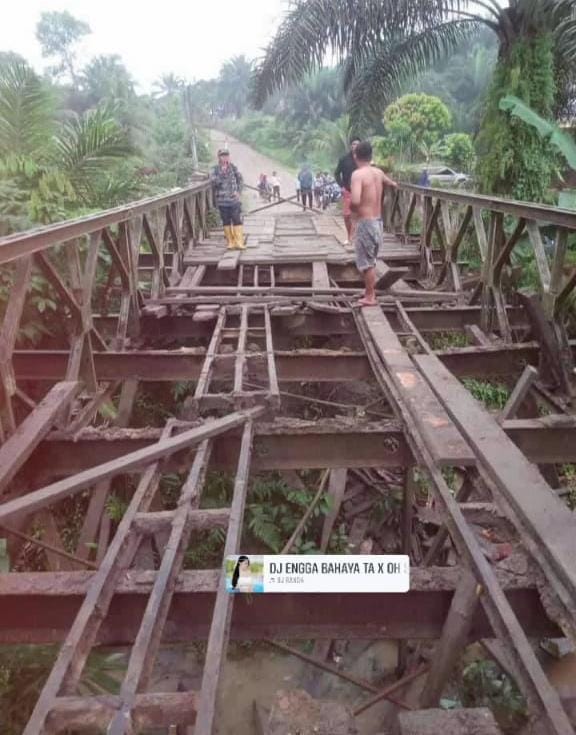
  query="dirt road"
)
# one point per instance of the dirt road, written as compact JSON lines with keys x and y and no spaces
{"x":251,"y":164}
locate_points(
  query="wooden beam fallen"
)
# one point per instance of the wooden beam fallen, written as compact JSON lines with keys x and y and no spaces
{"x":16,"y":450}
{"x":152,"y":710}
{"x":128,"y":463}
{"x":453,"y":640}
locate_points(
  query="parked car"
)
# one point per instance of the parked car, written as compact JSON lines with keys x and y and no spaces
{"x":445,"y":175}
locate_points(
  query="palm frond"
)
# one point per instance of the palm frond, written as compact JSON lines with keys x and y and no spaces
{"x":562,"y":22}
{"x":26,"y":111}
{"x":380,"y":80}
{"x":88,"y":147}
{"x":345,"y":28}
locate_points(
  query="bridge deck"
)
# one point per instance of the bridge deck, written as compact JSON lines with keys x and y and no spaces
{"x":256,"y":336}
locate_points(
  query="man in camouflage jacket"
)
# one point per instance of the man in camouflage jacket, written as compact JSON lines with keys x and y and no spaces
{"x":228,"y":183}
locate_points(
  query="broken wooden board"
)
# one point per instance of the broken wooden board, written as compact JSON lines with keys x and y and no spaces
{"x":336,"y":488}
{"x":545,"y":517}
{"x":229,"y":261}
{"x":320,"y":278}
{"x":16,"y":450}
{"x":442,"y":438}
{"x":387,"y":276}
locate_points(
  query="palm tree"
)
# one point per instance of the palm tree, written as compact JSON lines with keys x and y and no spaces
{"x":234,"y":83}
{"x":50,"y":166}
{"x":333,"y":137}
{"x":106,"y":78}
{"x":317,"y":98}
{"x":168,"y":85}
{"x":382,"y":43}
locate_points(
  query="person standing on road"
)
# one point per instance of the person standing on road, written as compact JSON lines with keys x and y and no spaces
{"x":228,"y":183}
{"x":367,"y":184}
{"x":343,"y":175}
{"x":298,"y":192}
{"x":306,"y":178}
{"x":275,"y":183}
{"x":318,"y":189}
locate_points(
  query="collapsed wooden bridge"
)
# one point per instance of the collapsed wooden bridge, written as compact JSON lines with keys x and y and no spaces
{"x":147,"y":294}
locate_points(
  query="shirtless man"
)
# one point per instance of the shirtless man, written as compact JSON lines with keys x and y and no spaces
{"x":368,"y":185}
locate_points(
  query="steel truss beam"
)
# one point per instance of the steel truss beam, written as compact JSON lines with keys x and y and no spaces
{"x":297,"y":366}
{"x":292,"y":445}
{"x":40,"y":607}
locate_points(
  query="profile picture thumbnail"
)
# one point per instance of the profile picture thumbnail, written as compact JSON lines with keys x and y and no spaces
{"x":244,"y":573}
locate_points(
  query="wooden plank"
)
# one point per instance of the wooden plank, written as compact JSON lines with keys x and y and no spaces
{"x":200,"y":520}
{"x":271,"y":359}
{"x":540,"y":254}
{"x":205,"y":376}
{"x":128,"y":463}
{"x":320,"y":278}
{"x":478,"y":337}
{"x":229,"y":261}
{"x":220,"y":628}
{"x":149,"y":636}
{"x":443,"y":439}
{"x":72,"y":657}
{"x":546,"y":518}
{"x":14,"y":308}
{"x":18,"y":448}
{"x":151,"y":710}
{"x":240,"y":359}
{"x":94,"y":518}
{"x":521,"y":389}
{"x":453,"y":640}
{"x":387,"y":276}
{"x":336,"y":488}
{"x":499,"y":611}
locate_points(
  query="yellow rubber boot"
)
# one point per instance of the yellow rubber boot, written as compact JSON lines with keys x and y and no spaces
{"x":229,"y":235}
{"x":239,"y":237}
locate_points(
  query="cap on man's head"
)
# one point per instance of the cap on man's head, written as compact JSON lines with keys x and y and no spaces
{"x":223,"y":152}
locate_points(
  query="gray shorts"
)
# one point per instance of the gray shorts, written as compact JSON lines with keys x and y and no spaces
{"x":368,"y":239}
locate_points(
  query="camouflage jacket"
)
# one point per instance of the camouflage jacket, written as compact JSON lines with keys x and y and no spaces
{"x":227,"y":184}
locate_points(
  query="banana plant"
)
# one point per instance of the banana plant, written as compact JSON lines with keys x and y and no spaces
{"x":548,"y":130}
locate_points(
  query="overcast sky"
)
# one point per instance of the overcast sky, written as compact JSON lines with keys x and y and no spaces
{"x":188,"y":37}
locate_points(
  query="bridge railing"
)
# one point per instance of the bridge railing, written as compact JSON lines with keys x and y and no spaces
{"x":444,"y":223}
{"x":81,"y":260}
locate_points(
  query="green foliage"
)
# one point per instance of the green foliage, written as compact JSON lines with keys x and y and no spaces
{"x":447,"y":340}
{"x":106,"y":79}
{"x":115,"y":507}
{"x":206,"y":550}
{"x":170,"y":150}
{"x":26,"y":115}
{"x":23,"y":671}
{"x":87,"y":148}
{"x":568,"y":474}
{"x":492,"y":395}
{"x":52,"y":169}
{"x":276,"y":512}
{"x":513,"y":160}
{"x":459,"y":151}
{"x":484,"y":684}
{"x":415,"y":120}
{"x":547,"y":130}
{"x":462,"y":80}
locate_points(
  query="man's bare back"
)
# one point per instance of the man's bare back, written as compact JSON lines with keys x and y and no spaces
{"x":368,"y":185}
{"x":367,"y":190}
